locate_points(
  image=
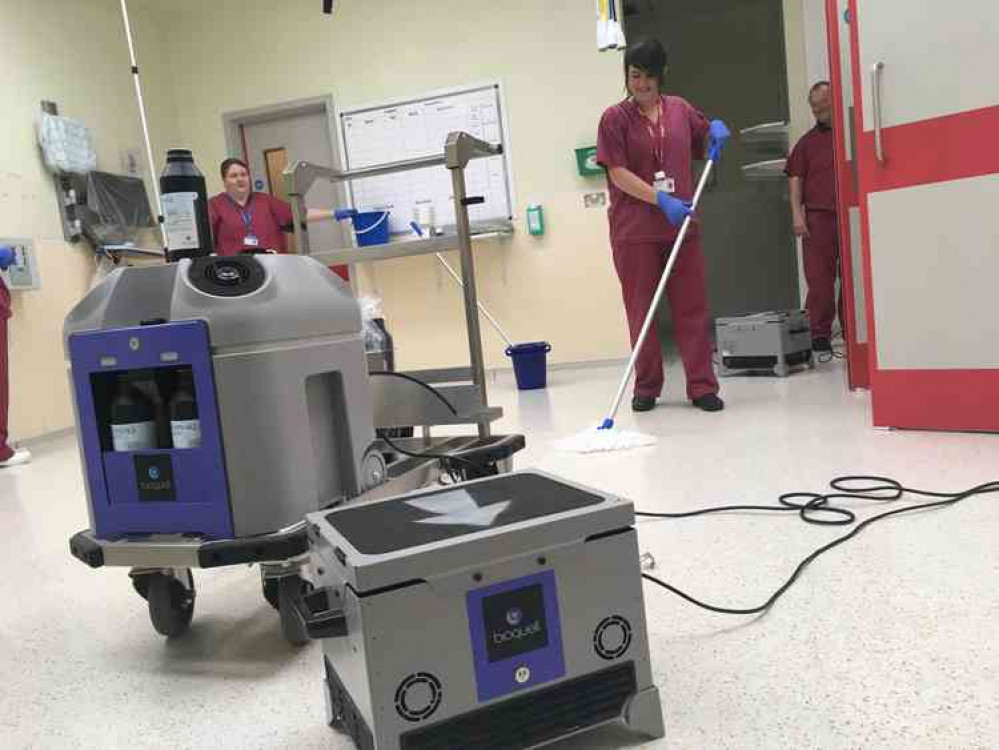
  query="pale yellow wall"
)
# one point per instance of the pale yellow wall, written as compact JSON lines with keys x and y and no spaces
{"x":238,"y":54}
{"x":797,"y":73}
{"x":74,"y":53}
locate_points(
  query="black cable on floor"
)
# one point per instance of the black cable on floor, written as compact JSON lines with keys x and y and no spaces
{"x":879,"y":489}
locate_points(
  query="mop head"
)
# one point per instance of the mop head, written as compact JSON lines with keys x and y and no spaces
{"x":604,"y":439}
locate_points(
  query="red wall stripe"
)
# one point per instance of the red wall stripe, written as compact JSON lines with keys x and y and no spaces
{"x":951,"y":147}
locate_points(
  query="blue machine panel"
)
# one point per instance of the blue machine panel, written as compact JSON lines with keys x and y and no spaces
{"x":516,"y":635}
{"x":163,"y":490}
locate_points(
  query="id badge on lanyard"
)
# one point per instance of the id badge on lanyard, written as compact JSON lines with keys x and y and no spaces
{"x":249,"y":239}
{"x":662,"y":181}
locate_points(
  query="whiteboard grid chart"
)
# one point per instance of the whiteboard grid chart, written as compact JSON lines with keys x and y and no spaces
{"x":418,"y":128}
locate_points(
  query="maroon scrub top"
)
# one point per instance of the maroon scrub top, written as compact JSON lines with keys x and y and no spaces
{"x":812,"y":160}
{"x":267,"y":219}
{"x":4,"y":301}
{"x":628,"y":139}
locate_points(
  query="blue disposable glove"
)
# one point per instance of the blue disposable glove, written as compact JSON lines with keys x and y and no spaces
{"x":718,"y":137}
{"x":675,"y":209}
{"x":7,"y":257}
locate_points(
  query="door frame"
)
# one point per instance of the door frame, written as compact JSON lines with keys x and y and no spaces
{"x":234,"y":122}
{"x":847,"y":176}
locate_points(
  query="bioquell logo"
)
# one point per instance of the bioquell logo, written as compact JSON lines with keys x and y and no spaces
{"x":516,"y":633}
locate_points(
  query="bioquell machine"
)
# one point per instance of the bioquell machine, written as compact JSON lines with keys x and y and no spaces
{"x":500,"y":614}
{"x":218,"y":401}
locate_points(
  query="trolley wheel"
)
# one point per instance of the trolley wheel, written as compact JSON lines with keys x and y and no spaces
{"x":270,"y":588}
{"x":290,"y":589}
{"x":171,"y":603}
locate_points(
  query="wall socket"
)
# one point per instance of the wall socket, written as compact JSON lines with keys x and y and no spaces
{"x":594,"y":200}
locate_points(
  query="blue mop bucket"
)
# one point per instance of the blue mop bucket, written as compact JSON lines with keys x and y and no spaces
{"x":530,"y":364}
{"x":371,"y":227}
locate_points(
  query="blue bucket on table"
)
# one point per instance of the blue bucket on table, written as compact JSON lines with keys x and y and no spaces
{"x":530,"y":364}
{"x":371,"y":227}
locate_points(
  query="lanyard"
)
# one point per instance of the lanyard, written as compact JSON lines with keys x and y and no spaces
{"x":657,"y":142}
{"x":245,"y":213}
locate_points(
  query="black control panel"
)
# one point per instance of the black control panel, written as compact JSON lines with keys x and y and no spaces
{"x":515,"y":622}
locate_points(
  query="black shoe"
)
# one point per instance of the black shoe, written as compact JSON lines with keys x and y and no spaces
{"x":821,"y":345}
{"x":709,"y":402}
{"x":643,"y":403}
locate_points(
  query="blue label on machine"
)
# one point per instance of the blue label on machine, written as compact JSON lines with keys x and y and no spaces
{"x":516,"y":635}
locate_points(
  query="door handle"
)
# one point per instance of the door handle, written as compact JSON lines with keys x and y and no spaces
{"x":876,"y":74}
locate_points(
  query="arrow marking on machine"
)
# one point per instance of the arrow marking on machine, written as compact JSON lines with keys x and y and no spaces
{"x":461,"y":511}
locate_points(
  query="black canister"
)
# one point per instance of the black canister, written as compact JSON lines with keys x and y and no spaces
{"x":133,"y":415}
{"x":185,"y":207}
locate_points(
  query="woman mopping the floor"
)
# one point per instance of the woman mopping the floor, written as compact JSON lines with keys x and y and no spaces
{"x":647,"y":144}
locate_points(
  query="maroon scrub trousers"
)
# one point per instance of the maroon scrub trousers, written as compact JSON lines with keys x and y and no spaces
{"x":641,"y":238}
{"x":821,"y":259}
{"x":813,"y":161}
{"x":5,"y":450}
{"x":639,"y":268}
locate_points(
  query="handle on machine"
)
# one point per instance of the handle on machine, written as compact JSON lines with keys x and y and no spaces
{"x":496,"y":449}
{"x":321,"y":617}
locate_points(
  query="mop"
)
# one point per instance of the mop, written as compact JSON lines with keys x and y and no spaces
{"x":142,"y":119}
{"x":418,"y":230}
{"x":605,"y":437}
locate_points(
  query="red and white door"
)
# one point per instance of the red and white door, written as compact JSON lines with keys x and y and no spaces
{"x":926,"y":115}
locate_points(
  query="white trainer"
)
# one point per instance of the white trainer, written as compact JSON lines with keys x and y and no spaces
{"x":21,"y":456}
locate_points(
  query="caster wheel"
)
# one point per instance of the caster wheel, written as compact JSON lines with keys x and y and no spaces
{"x":171,"y":604}
{"x":270,"y":587}
{"x":291,"y":589}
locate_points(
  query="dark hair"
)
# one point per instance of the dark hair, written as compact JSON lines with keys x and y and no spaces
{"x":815,"y":87}
{"x":227,"y":164}
{"x":648,"y":56}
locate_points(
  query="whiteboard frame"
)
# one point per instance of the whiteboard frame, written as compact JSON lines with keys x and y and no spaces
{"x":498,"y":84}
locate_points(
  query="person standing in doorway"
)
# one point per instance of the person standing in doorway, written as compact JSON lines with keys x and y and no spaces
{"x":648,"y":143}
{"x":811,"y":169}
{"x":9,"y":455}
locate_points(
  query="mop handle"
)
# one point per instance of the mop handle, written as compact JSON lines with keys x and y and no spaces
{"x":651,"y":315}
{"x":482,"y":308}
{"x":143,"y":121}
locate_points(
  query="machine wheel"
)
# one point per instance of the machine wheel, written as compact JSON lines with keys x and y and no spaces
{"x":290,"y":589}
{"x":270,"y":587}
{"x":171,"y":603}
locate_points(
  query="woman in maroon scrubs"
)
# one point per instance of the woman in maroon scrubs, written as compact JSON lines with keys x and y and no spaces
{"x":9,"y":455}
{"x":246,"y":221}
{"x":648,"y":143}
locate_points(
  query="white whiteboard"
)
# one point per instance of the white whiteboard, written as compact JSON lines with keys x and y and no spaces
{"x":377,"y":135}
